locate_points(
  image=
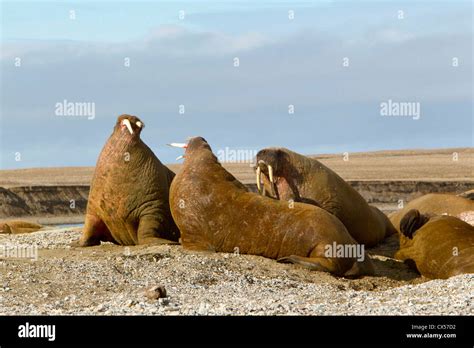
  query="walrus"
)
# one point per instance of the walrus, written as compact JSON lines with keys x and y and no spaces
{"x":468,"y":194}
{"x":129,"y":196}
{"x":436,"y":204}
{"x":19,"y":226}
{"x":438,"y":247}
{"x":288,"y":175}
{"x":216,"y":213}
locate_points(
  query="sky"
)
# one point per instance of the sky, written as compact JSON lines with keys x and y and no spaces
{"x":334,"y":62}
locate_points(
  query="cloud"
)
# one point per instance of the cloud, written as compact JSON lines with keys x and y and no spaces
{"x":392,"y":36}
{"x":173,"y":65}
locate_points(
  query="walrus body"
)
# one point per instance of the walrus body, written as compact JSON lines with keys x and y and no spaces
{"x":128,"y":201}
{"x":439,"y":247}
{"x":215,"y":212}
{"x":436,"y":204}
{"x":302,"y":179}
{"x":18,"y":226}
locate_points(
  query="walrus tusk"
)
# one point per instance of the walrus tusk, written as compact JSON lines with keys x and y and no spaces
{"x":126,"y":123}
{"x":181,"y":145}
{"x":179,"y":157}
{"x":259,"y":173}
{"x":270,"y":176}
{"x":139,"y":124}
{"x":270,"y":173}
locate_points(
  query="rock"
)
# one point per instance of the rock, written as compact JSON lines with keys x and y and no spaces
{"x":130,"y":303}
{"x":155,"y":292}
{"x":164,"y":301}
{"x":100,"y":308}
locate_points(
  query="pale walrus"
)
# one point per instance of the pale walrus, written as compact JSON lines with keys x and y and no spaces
{"x":128,"y":200}
{"x":436,"y":204}
{"x":215,"y":212}
{"x":439,"y":247}
{"x":18,"y":226}
{"x":290,"y":176}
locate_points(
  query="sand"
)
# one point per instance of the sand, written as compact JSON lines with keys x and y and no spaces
{"x":112,"y":280}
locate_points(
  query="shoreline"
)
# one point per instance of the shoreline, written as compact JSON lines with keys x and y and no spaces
{"x":52,"y":205}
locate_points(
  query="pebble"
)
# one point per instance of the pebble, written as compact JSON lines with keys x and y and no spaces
{"x":204,"y":284}
{"x":155,"y":292}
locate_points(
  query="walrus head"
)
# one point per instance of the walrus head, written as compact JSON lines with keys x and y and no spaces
{"x":274,"y":167}
{"x":411,"y":222}
{"x":194,"y":145}
{"x":129,"y":125}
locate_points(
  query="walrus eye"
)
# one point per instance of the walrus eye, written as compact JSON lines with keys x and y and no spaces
{"x":127,"y":124}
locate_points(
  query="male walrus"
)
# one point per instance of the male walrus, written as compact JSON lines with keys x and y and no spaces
{"x":128,"y":200}
{"x":215,"y":212}
{"x":18,"y":226}
{"x":290,"y":176}
{"x":439,"y":247}
{"x":436,"y":204}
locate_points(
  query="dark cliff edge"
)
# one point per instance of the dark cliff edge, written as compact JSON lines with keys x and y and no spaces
{"x":67,"y":203}
{"x":31,"y":201}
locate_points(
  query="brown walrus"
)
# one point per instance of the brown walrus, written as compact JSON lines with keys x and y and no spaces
{"x":439,"y":247}
{"x":215,"y":212}
{"x":435,"y":204}
{"x":18,"y":226}
{"x":128,"y":200}
{"x":290,"y":176}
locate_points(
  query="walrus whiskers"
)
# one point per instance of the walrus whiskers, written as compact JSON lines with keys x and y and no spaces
{"x":270,"y":176}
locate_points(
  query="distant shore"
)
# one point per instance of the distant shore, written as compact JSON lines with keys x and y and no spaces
{"x":58,"y":195}
{"x":453,"y":164}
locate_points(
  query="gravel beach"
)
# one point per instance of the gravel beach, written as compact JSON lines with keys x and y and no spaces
{"x":116,"y":280}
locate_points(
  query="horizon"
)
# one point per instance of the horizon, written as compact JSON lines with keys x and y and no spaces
{"x":317,"y":156}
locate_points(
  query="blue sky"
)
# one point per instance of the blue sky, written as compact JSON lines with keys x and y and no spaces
{"x":190,"y":62}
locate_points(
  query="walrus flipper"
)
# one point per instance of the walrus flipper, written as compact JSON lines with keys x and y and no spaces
{"x":94,"y":231}
{"x":149,"y":229}
{"x":312,"y":263}
{"x":361,"y":268}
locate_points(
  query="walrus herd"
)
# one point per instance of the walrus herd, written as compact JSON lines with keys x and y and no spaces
{"x":304,"y":213}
